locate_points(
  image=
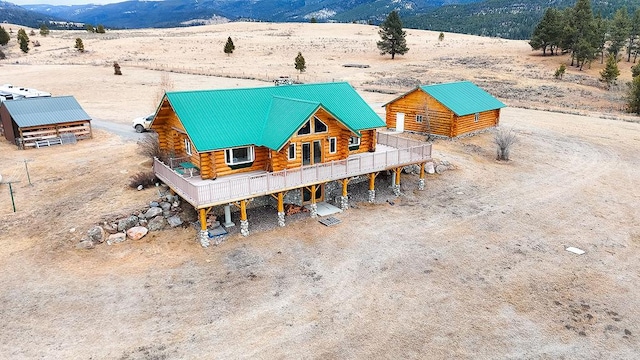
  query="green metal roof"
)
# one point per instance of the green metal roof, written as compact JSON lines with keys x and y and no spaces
{"x":265,"y":116}
{"x":45,"y":111}
{"x":463,"y":98}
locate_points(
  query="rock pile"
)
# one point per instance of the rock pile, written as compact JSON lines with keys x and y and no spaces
{"x":166,"y":212}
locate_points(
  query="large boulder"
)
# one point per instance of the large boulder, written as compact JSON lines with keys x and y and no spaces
{"x":116,"y":238}
{"x":153,"y":212}
{"x":128,"y":223}
{"x":137,"y":232}
{"x":165,"y":205}
{"x":96,"y":234}
{"x":157,"y":223}
{"x":110,"y":228}
{"x":174,"y":221}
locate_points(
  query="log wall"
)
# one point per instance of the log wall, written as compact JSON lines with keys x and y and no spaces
{"x":436,"y":118}
{"x":467,"y":123}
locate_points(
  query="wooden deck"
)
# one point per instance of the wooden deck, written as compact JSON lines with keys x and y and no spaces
{"x":392,"y":151}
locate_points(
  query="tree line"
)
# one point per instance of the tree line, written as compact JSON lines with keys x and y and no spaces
{"x":576,"y":30}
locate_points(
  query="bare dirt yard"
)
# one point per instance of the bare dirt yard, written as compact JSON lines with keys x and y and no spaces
{"x":474,"y":267}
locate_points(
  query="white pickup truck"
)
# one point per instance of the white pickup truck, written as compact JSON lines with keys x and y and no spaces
{"x":142,"y":124}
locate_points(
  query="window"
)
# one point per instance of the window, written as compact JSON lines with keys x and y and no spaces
{"x":292,"y":151}
{"x":354,"y":143}
{"x":319,"y":126}
{"x":476,"y":117}
{"x":305,"y":129}
{"x":333,"y":145}
{"x":187,"y":147}
{"x":240,"y":155}
{"x":418,"y":118}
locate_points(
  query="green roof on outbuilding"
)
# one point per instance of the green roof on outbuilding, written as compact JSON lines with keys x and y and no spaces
{"x":463,"y":98}
{"x":45,"y":111}
{"x":265,"y":116}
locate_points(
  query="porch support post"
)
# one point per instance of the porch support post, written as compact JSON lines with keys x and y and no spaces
{"x":372,"y":187}
{"x":281,"y":209}
{"x":313,"y":207}
{"x":396,"y":185}
{"x":227,"y":217}
{"x":344,"y":200}
{"x":421,"y":181}
{"x":203,"y":235}
{"x":244,"y":223}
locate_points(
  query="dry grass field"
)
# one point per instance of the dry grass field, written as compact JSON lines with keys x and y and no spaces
{"x":474,"y":267}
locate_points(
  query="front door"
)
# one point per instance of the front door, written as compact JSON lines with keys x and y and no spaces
{"x":312,"y":153}
{"x":399,"y":122}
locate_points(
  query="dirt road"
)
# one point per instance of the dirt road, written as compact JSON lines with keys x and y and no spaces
{"x":474,"y":267}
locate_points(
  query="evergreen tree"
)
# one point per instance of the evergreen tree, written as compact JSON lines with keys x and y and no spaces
{"x":229,"y":47}
{"x":584,"y":44}
{"x":100,"y":29}
{"x":4,"y":37}
{"x":610,"y":73}
{"x":560,"y":71}
{"x":547,"y":33}
{"x":300,"y":63}
{"x":79,"y":45}
{"x":619,"y":32}
{"x":89,"y":28}
{"x":633,"y":96}
{"x":393,"y":37}
{"x":441,"y":36}
{"x":313,"y":20}
{"x":44,"y":30}
{"x":601,"y":27}
{"x":23,"y":39}
{"x":633,"y":35}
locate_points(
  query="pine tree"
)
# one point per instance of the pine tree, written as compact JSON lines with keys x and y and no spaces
{"x":610,"y":73}
{"x":633,"y":35}
{"x":300,"y":63}
{"x":23,"y":39}
{"x":441,"y":36}
{"x":4,"y":37}
{"x":100,"y":29}
{"x":601,"y":27}
{"x":547,"y":33}
{"x":229,"y":47}
{"x":79,"y":45}
{"x":633,"y":96}
{"x":313,"y":20}
{"x":89,"y":28}
{"x":584,"y":40}
{"x":393,"y":37}
{"x":44,"y":30}
{"x":619,"y":32}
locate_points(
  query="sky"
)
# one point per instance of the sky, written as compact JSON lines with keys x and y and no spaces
{"x":62,"y":2}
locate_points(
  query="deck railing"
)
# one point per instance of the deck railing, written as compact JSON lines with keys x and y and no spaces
{"x":221,"y":191}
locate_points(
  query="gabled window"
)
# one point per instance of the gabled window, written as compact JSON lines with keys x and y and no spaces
{"x":418,"y":118}
{"x":354,"y":143}
{"x":333,"y":145}
{"x":187,"y":147}
{"x":239,"y":155}
{"x":476,"y":117}
{"x":291,"y":155}
{"x":319,"y":126}
{"x":305,"y":129}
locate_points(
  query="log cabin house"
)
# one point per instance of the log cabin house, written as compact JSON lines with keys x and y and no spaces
{"x":43,"y":121}
{"x":449,"y":110}
{"x":230,"y":146}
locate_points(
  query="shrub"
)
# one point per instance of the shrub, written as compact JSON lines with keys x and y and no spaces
{"x":635,"y":70}
{"x":79,"y":45}
{"x":150,"y":147}
{"x":116,"y":68}
{"x":145,"y":179}
{"x":441,"y":36}
{"x":504,"y":138}
{"x":560,"y":71}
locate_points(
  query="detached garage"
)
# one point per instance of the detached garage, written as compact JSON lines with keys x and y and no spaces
{"x":450,"y":109}
{"x":44,"y":121}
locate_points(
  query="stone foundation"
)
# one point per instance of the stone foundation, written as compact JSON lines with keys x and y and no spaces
{"x":203,"y":237}
{"x":396,"y":190}
{"x":313,"y":208}
{"x":421,"y":184}
{"x":344,"y":203}
{"x":281,"y":219}
{"x":372,"y":196}
{"x":244,"y":227}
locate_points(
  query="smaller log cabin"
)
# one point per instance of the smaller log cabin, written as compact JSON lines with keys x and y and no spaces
{"x":227,"y":132}
{"x":38,"y":121}
{"x":449,"y":110}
